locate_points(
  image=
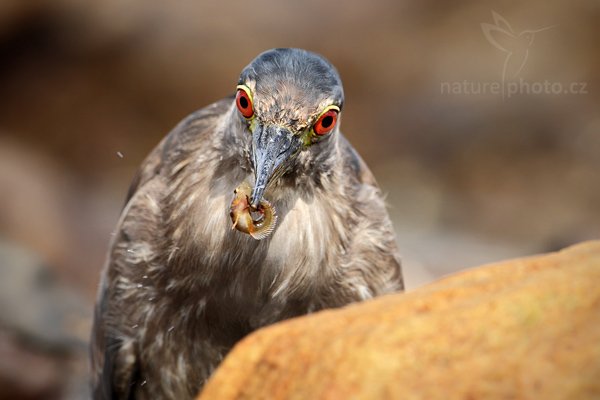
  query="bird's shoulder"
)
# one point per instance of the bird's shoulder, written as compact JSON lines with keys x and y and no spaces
{"x":372,"y":237}
{"x":354,"y":166}
{"x":185,"y":135}
{"x":114,"y":364}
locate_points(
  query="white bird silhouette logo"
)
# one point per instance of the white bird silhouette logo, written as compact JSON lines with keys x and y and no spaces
{"x":516,"y":46}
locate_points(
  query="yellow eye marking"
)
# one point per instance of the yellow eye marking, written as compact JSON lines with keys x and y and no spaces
{"x":328,"y":108}
{"x":248,"y":92}
{"x":310,"y":135}
{"x":253,"y":123}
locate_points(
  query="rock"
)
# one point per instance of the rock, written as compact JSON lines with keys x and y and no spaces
{"x":44,"y":327}
{"x":38,"y":307}
{"x":522,"y":329}
{"x":35,"y":211}
{"x":27,"y":375}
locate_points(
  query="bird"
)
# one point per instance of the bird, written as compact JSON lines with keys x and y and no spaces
{"x":252,"y":210}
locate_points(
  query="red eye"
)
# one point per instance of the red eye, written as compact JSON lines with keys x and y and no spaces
{"x":326,"y":122}
{"x":244,"y":104}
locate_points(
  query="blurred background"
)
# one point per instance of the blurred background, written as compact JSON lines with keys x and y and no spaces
{"x":472,"y":175}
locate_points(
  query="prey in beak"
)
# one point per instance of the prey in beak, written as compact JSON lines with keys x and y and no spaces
{"x":272,"y":147}
{"x":258,"y":222}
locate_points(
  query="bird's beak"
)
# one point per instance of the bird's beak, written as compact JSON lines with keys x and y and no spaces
{"x":272,"y":145}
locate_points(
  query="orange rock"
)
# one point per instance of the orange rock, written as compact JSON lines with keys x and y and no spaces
{"x":522,"y":329}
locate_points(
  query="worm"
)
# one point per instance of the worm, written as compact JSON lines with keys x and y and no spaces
{"x":258,"y":223}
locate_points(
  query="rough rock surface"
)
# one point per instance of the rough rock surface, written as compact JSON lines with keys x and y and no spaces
{"x":522,"y":329}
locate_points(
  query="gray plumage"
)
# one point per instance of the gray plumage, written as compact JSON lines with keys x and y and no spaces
{"x":181,"y":287}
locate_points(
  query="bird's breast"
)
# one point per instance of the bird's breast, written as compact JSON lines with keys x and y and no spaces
{"x":292,"y":258}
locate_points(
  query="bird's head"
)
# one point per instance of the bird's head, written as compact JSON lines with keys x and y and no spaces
{"x":289,"y":101}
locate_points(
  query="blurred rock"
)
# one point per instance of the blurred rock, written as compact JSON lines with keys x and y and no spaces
{"x":33,"y":205}
{"x":33,"y":303}
{"x":527,"y":329}
{"x":44,"y":326}
{"x":26,"y":375}
{"x":45,"y":209}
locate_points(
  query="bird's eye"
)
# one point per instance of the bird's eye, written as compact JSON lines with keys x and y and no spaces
{"x":326,"y":121}
{"x":244,"y":101}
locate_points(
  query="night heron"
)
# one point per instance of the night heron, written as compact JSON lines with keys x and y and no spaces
{"x":181,"y":287}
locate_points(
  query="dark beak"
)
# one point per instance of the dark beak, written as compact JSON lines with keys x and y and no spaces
{"x":272,"y":146}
